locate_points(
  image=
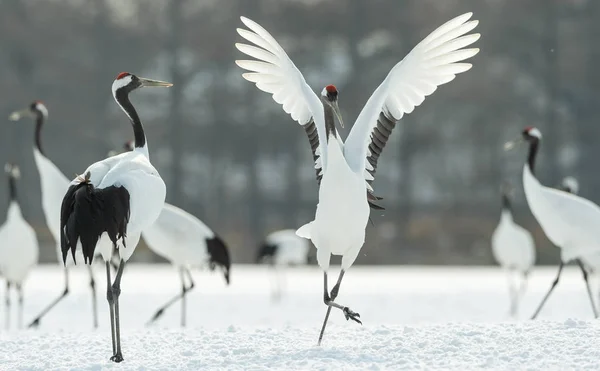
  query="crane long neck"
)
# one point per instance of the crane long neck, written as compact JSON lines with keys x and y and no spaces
{"x":506,"y":206}
{"x":39,"y":122}
{"x":122,"y":98}
{"x":329,"y":121}
{"x":12,"y":186}
{"x":533,"y":149}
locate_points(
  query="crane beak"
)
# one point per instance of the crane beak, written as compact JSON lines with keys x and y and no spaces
{"x":336,"y":110}
{"x":17,"y":115}
{"x":512,"y":144}
{"x":154,"y":83}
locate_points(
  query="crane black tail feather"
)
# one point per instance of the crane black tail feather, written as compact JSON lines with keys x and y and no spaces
{"x":219,"y":255}
{"x":87,"y":212}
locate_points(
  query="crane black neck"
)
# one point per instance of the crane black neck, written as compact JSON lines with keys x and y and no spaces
{"x":533,"y":149}
{"x":39,"y":122}
{"x":12,"y":187}
{"x":506,"y":202}
{"x":329,"y":121}
{"x":122,"y":98}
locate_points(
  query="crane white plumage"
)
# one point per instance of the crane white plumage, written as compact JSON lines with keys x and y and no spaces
{"x":345,"y":170}
{"x":53,"y":184}
{"x":116,"y":198}
{"x":569,"y":221}
{"x":19,"y":248}
{"x":281,"y":249}
{"x":514,"y":249}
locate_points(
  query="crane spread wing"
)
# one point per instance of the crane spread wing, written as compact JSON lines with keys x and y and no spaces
{"x":431,"y":63}
{"x":273,"y":72}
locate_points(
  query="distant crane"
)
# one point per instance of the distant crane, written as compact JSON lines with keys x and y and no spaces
{"x":514,"y":249}
{"x":186,"y":242}
{"x":570,"y":222}
{"x":345,"y":170}
{"x":54,"y":184}
{"x":281,"y":249}
{"x":120,"y":196}
{"x":18,"y":246}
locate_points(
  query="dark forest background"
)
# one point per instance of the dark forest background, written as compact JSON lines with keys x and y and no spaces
{"x":232,"y":157}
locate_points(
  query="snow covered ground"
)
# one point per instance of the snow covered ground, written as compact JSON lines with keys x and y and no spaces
{"x":414,"y":318}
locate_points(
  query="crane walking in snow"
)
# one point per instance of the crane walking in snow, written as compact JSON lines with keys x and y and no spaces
{"x":514,"y":249}
{"x":281,"y":249}
{"x":570,"y":222}
{"x":18,"y":246}
{"x":345,"y":170}
{"x":54,"y":184}
{"x":117,"y":198}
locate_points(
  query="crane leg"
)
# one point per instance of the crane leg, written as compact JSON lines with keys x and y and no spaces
{"x":521,"y":291}
{"x":111,"y":307}
{"x":277,"y":284}
{"x":560,"y":267}
{"x":512,"y":292}
{"x":587,"y":285}
{"x":116,"y":291}
{"x":20,"y":298}
{"x":180,"y":296}
{"x":7,"y":303}
{"x":94,"y":302}
{"x":36,"y":321}
{"x":329,"y":301}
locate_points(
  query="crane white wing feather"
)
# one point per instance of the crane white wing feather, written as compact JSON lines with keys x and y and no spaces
{"x":275,"y":73}
{"x":431,"y":63}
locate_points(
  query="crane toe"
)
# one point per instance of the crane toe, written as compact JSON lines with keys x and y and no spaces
{"x":349,"y":314}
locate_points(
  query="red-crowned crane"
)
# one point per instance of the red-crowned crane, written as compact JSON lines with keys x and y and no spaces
{"x":514,"y":249}
{"x":345,"y":170}
{"x":54,"y":184}
{"x":569,"y":221}
{"x":115,"y":198}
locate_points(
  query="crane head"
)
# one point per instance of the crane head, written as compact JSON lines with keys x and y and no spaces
{"x":128,"y":82}
{"x":329,"y":95}
{"x":37,"y":109}
{"x":531,"y":132}
{"x":528,"y":134}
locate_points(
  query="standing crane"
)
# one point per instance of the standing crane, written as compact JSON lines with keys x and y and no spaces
{"x":18,"y":245}
{"x":345,"y":170}
{"x":115,"y":198}
{"x":514,"y":249}
{"x":54,"y":184}
{"x":569,"y":221}
{"x":186,"y":242}
{"x":281,"y":249}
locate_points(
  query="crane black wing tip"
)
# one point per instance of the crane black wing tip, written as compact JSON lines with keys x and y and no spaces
{"x":375,"y":206}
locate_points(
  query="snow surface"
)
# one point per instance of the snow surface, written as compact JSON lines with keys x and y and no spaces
{"x":414,"y":318}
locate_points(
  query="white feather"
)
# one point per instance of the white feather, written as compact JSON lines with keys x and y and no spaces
{"x":570,"y":222}
{"x":512,"y":245}
{"x":179,"y":237}
{"x":147,"y":192}
{"x":291,"y":249}
{"x":430,"y":64}
{"x":275,"y":73}
{"x":18,"y":246}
